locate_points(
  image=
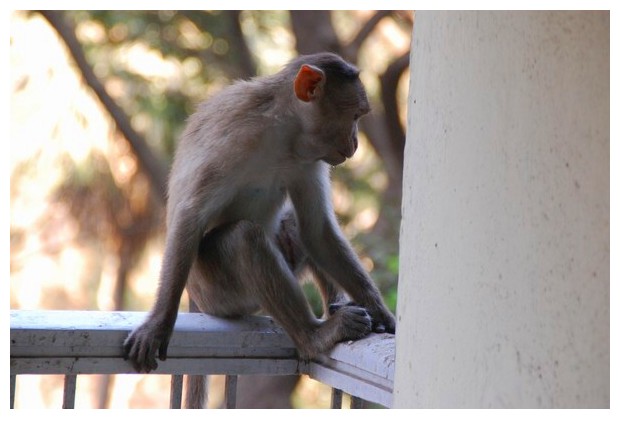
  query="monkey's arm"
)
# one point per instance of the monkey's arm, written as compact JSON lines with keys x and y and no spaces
{"x":187,"y":223}
{"x":151,"y":338}
{"x":330,"y":250}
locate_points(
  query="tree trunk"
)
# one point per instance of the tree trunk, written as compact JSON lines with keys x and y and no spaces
{"x":314,"y":32}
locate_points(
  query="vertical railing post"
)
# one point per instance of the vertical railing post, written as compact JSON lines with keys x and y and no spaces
{"x":356,"y":402}
{"x":230,"y":391}
{"x":68,"y":396}
{"x":13,"y":381}
{"x":336,"y":398}
{"x":176,"y":391}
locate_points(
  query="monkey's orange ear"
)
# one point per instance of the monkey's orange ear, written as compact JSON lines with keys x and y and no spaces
{"x":309,"y":82}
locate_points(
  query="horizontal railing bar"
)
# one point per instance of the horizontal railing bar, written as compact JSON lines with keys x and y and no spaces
{"x":101,"y":334}
{"x":90,"y":342}
{"x":355,"y":386}
{"x":374,"y":354}
{"x":353,"y":371}
{"x":187,"y":352}
{"x":190,"y":366}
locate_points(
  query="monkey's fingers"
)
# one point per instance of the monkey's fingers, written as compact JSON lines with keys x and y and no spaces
{"x":390,"y":326}
{"x":163,"y":349}
{"x":127,"y":344}
{"x":379,"y":328}
{"x":356,"y":320}
{"x":141,"y":352}
{"x":131,"y":351}
{"x":383,"y":321}
{"x":145,"y":359}
{"x":333,"y":308}
{"x":386,"y":325}
{"x":337,"y":306}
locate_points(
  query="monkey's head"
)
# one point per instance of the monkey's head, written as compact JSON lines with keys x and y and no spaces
{"x":333,"y":100}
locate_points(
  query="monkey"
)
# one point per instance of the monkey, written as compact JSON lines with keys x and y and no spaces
{"x":249,"y":209}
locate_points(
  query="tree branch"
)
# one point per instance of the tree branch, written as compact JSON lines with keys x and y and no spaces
{"x":375,"y":128}
{"x":239,"y":63}
{"x":150,"y":164}
{"x":389,"y":85}
{"x":352,"y":49}
{"x":239,"y":49}
{"x":314,"y":32}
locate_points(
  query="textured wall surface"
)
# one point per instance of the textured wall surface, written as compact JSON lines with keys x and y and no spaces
{"x":504,"y":284}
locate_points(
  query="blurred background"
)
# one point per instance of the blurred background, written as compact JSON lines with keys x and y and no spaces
{"x":98,"y":100}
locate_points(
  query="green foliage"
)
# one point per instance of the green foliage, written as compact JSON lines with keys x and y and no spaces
{"x":314,"y":298}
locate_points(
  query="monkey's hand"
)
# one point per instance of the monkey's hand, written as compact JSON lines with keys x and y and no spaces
{"x":354,"y":321}
{"x":146,"y":342}
{"x":382,"y":319}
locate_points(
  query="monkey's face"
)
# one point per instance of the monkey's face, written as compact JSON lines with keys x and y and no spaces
{"x":332,"y":100}
{"x":341,"y":111}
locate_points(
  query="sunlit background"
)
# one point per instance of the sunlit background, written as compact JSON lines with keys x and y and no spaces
{"x":86,"y":225}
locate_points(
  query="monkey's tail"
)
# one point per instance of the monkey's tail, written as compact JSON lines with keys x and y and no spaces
{"x":196,"y":393}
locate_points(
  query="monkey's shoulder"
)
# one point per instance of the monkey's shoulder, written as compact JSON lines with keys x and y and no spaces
{"x":246,"y":98}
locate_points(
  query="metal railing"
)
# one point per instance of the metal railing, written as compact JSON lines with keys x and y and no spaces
{"x":90,"y":342}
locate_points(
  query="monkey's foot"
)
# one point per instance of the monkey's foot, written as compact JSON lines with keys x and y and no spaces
{"x":354,"y":321}
{"x":380,"y":323}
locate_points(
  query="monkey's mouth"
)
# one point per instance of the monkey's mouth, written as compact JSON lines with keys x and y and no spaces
{"x":335,"y":158}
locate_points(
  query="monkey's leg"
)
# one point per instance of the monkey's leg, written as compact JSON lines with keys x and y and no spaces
{"x":215,"y":282}
{"x":280,"y":295}
{"x":333,"y":297}
{"x":252,"y":269}
{"x":290,"y":245}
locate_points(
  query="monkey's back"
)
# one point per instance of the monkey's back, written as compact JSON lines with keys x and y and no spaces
{"x":217,"y":145}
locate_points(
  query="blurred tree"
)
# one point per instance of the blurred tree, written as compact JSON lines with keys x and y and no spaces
{"x":149,"y":68}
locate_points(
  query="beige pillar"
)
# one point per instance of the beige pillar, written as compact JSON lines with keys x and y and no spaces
{"x":504,"y":284}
